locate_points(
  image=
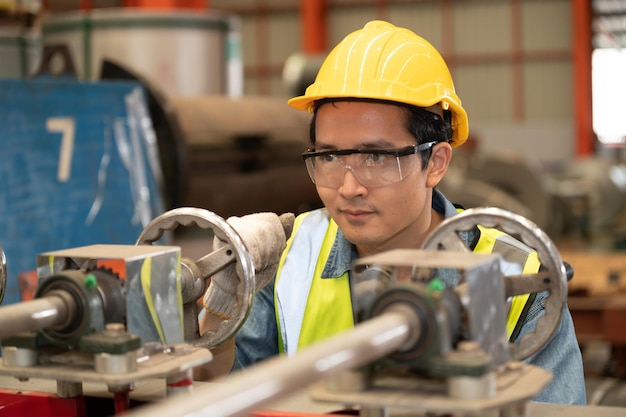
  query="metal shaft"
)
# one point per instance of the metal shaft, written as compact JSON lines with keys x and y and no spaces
{"x":251,"y":389}
{"x":32,"y":315}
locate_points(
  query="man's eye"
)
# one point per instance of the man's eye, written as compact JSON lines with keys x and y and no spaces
{"x":327,"y":158}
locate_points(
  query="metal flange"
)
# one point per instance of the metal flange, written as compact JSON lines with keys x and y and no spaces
{"x":552,"y":276}
{"x":195,"y":273}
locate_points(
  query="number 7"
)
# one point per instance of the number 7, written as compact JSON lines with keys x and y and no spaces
{"x":64,"y":125}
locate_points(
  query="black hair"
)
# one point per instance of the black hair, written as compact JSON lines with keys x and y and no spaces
{"x":423,"y":125}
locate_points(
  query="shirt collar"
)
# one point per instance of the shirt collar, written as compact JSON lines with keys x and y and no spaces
{"x":340,"y":258}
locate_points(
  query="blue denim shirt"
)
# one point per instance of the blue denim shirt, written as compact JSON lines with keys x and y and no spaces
{"x":258,"y":337}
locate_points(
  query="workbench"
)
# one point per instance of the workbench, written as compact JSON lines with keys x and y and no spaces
{"x":597,"y":294}
{"x":597,"y":301}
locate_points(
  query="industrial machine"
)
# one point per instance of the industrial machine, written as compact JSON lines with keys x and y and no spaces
{"x":119,"y":314}
{"x":418,"y":346}
{"x":581,"y":201}
{"x":456,"y":359}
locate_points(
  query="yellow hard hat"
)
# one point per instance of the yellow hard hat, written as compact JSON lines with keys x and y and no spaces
{"x":385,"y":62}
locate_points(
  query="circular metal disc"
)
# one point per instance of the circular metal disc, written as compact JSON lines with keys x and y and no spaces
{"x":446,"y":236}
{"x":191,"y":216}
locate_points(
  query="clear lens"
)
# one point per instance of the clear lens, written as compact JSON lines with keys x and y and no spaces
{"x":371,"y":170}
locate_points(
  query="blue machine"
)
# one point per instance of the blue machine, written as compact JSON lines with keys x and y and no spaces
{"x":79,"y":165}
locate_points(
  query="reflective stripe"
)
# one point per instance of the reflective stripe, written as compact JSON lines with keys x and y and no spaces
{"x":516,"y":258}
{"x":325,"y":292}
{"x":298,"y":266}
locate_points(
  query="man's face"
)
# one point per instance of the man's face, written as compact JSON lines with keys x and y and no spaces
{"x":375,"y":218}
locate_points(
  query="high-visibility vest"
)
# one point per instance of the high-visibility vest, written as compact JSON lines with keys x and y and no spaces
{"x":310,"y":308}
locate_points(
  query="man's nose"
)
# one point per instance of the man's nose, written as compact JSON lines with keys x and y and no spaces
{"x":350,"y":185}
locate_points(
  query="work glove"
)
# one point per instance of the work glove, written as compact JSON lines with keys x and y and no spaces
{"x":265,"y":237}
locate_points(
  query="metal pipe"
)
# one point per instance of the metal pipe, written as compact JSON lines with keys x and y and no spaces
{"x":582,"y":49}
{"x":275,"y":378}
{"x":37,"y":314}
{"x":313,"y":20}
{"x":517,"y":61}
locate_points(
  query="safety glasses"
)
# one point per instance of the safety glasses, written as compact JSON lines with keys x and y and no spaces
{"x":371,"y":167}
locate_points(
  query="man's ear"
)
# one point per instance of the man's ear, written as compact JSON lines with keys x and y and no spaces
{"x":438,"y":163}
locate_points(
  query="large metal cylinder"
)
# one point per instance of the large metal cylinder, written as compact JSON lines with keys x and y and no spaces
{"x":244,"y":154}
{"x":157,"y":44}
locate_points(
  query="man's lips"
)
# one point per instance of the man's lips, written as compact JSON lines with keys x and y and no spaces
{"x":356,"y":213}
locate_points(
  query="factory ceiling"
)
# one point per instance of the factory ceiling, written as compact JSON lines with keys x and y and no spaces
{"x":609,"y":23}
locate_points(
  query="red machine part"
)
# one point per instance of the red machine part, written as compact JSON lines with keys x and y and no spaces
{"x":18,"y":403}
{"x":34,"y":403}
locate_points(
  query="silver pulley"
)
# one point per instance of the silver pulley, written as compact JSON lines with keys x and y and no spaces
{"x":196,"y":273}
{"x":552,"y":277}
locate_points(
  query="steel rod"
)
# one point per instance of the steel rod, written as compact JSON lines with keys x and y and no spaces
{"x":37,"y":314}
{"x":275,"y":378}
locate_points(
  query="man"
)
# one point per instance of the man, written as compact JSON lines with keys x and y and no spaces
{"x":385,"y":120}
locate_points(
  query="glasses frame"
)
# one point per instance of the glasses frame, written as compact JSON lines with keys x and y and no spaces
{"x":398,"y":152}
